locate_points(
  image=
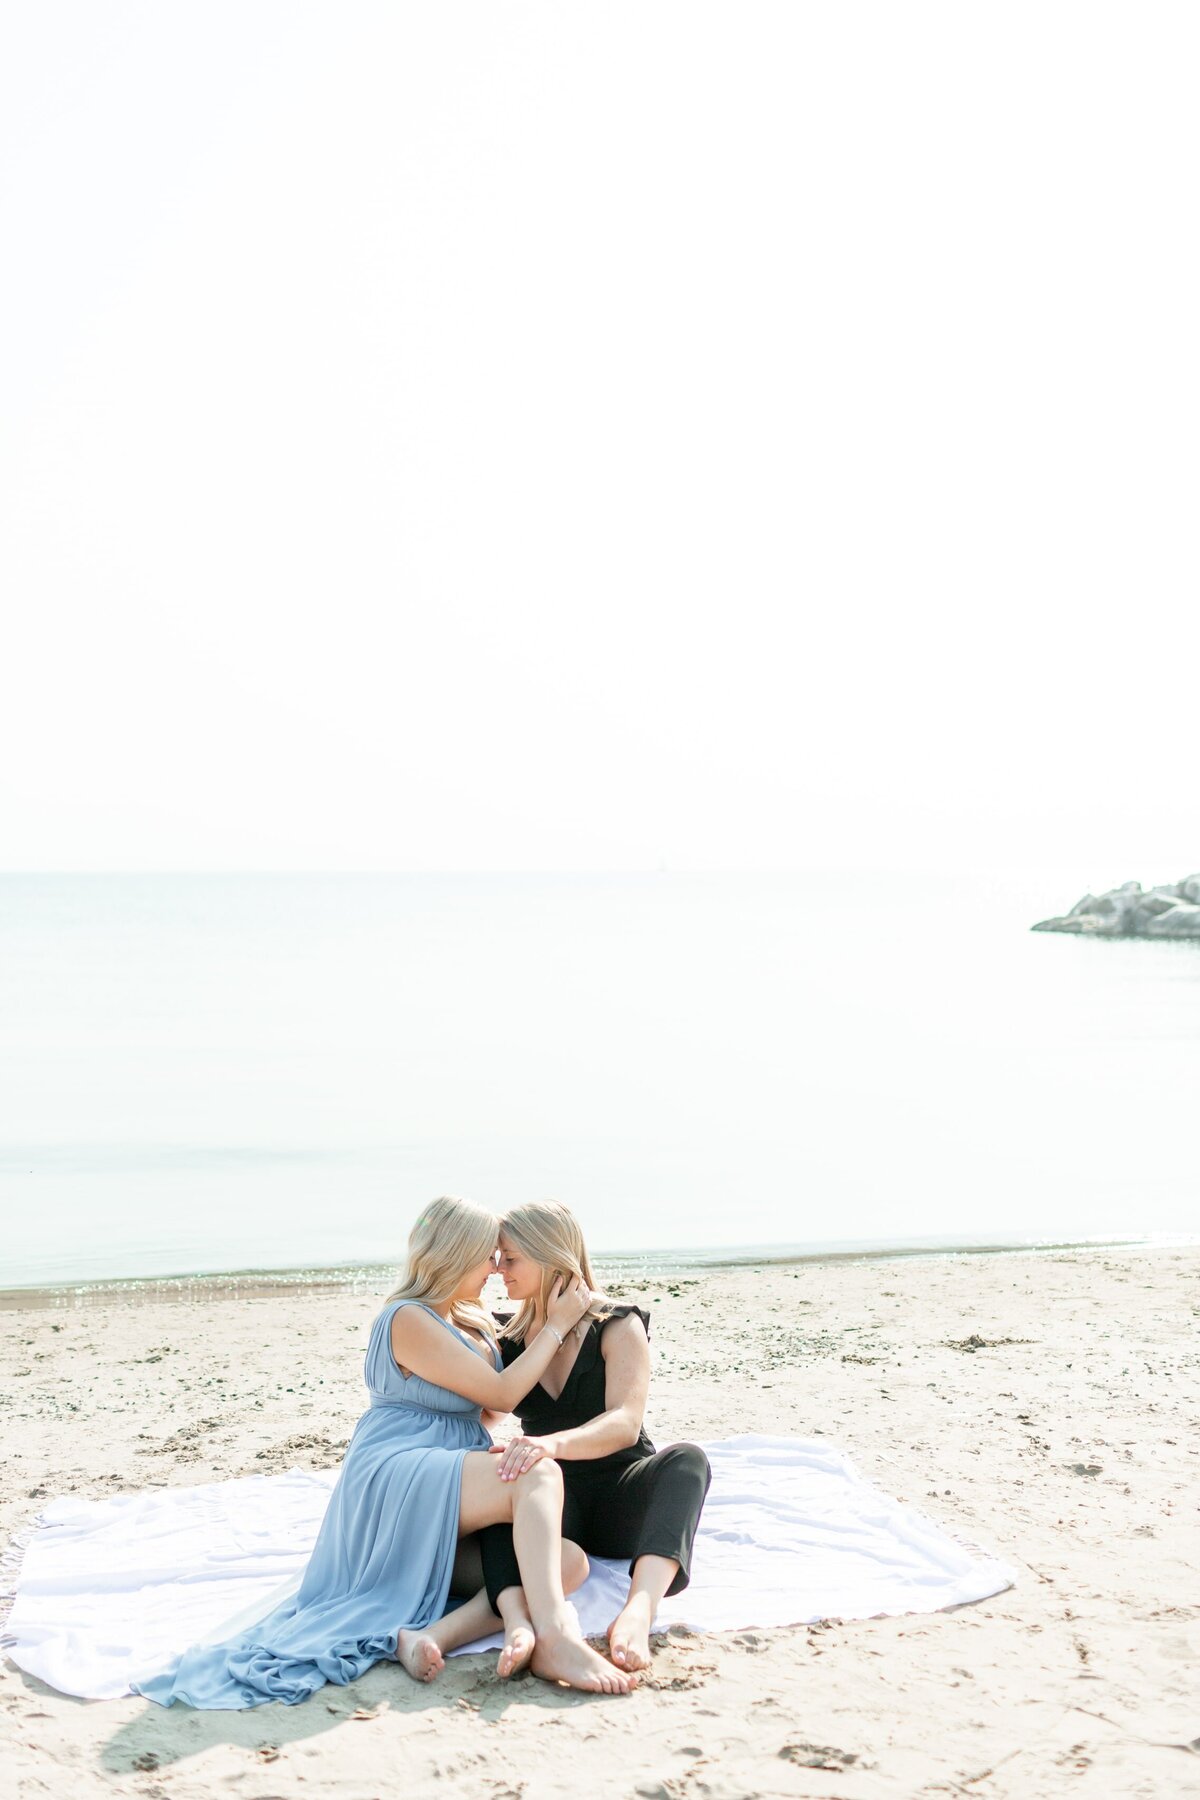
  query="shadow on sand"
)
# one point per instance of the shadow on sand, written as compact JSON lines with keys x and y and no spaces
{"x":158,"y":1736}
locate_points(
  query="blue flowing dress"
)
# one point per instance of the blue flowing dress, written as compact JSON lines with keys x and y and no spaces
{"x":383,"y":1557}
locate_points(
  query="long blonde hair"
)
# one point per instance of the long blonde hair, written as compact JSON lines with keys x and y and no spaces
{"x":451,"y":1237}
{"x":548,"y":1233}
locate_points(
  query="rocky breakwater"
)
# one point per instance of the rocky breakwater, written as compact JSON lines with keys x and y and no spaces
{"x":1134,"y":911}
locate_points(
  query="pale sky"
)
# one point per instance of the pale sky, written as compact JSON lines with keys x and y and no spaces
{"x":546,"y":436}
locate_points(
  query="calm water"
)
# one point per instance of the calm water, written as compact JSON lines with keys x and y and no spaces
{"x":224,"y":1072}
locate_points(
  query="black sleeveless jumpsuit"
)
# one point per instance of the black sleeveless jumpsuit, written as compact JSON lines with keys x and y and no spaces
{"x":637,"y":1502}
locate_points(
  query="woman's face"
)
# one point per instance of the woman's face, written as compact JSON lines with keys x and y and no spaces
{"x":521,"y":1276}
{"x":471,"y":1285}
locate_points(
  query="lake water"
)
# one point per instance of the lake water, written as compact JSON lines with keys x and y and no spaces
{"x":233,"y":1072}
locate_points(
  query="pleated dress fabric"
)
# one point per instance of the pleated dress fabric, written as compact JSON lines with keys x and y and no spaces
{"x":383,"y":1557}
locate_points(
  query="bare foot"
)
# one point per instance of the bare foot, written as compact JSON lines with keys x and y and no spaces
{"x":419,"y":1654}
{"x":629,"y":1633}
{"x":560,"y":1656}
{"x":519,"y":1643}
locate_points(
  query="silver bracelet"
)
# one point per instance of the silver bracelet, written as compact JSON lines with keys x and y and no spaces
{"x":554,"y":1333}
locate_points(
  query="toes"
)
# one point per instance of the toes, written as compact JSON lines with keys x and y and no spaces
{"x":627,"y":1656}
{"x":513,"y":1656}
{"x":422,"y":1660}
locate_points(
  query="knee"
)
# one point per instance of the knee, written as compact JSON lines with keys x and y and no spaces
{"x":544,"y":1477}
{"x":690,"y":1461}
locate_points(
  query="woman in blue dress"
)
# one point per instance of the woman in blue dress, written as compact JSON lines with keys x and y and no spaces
{"x":417,"y":1475}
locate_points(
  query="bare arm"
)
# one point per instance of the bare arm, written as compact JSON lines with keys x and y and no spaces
{"x":626,"y":1354}
{"x":422,"y":1345}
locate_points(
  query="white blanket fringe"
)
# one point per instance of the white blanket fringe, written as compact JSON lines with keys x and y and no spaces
{"x":108,"y":1591}
{"x":12,"y":1558}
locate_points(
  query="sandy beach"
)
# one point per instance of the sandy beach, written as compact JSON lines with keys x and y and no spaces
{"x":1043,"y":1406}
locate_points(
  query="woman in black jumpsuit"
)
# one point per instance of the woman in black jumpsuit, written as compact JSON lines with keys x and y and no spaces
{"x":622,"y":1498}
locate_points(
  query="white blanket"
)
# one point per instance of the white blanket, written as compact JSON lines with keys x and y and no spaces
{"x":109,"y":1590}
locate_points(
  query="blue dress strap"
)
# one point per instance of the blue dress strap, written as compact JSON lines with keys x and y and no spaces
{"x":395,"y":1305}
{"x":458,"y":1331}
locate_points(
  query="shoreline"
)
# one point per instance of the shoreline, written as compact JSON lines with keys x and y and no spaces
{"x":200,"y":1286}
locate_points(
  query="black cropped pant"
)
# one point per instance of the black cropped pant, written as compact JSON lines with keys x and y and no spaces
{"x":647,"y":1507}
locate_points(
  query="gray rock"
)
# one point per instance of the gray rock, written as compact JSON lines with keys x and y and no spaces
{"x":1085,"y":924}
{"x":1182,"y":921}
{"x":1159,"y":900}
{"x":1169,"y":911}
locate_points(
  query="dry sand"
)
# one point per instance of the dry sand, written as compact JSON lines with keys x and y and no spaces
{"x":1044,"y":1406}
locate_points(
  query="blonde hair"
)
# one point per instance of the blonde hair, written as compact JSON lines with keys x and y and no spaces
{"x":450,"y":1238}
{"x":548,"y":1233}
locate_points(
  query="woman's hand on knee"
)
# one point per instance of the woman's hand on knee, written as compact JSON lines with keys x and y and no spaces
{"x":521,"y":1455}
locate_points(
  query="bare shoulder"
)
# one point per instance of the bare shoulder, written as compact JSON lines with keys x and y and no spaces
{"x":625,"y":1334}
{"x":413,"y":1325}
